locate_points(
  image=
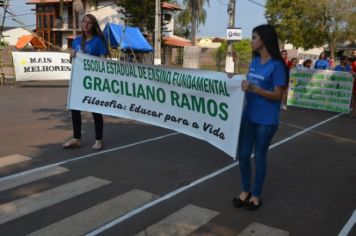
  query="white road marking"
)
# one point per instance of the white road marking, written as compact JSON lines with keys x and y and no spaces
{"x":98,"y":215}
{"x":197,"y":182}
{"x":256,"y":229}
{"x":31,"y":171}
{"x":181,"y":223}
{"x":15,"y":209}
{"x":12,"y":159}
{"x":350,"y":223}
{"x":21,"y":180}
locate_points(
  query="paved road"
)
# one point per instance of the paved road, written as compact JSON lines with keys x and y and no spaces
{"x":153,"y":181}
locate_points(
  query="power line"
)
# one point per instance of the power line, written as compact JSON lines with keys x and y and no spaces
{"x":25,"y":14}
{"x":257,"y":3}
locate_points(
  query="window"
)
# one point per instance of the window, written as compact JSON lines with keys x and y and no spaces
{"x":45,"y":20}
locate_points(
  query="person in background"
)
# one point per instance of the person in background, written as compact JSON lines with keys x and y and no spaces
{"x":293,"y":63}
{"x":331,"y":63}
{"x":344,"y":64}
{"x":91,"y":42}
{"x":284,"y":55}
{"x":322,"y":63}
{"x":353,"y":71}
{"x":307,"y":64}
{"x":266,"y":81}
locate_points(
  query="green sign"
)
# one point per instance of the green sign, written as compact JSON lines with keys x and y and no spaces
{"x":320,"y":89}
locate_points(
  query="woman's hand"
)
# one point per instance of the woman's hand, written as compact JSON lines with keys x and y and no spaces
{"x":73,"y":54}
{"x":275,"y":95}
{"x":247,"y":87}
{"x":230,"y":75}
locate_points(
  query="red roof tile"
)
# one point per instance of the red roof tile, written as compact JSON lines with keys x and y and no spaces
{"x":176,"y":41}
{"x":44,"y":1}
{"x":170,"y":6}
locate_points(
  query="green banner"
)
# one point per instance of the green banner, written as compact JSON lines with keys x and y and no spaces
{"x":320,"y":89}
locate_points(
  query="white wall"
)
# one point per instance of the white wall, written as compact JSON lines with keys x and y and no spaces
{"x":65,"y":40}
{"x":104,"y":13}
{"x":13,"y":35}
{"x":170,"y":25}
{"x":314,"y":51}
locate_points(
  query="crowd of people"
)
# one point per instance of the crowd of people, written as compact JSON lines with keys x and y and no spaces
{"x":346,"y":64}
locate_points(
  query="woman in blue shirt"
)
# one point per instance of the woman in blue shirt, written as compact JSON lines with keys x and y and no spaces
{"x":344,"y":65}
{"x":92,"y":42}
{"x":322,"y":63}
{"x":266,"y":81}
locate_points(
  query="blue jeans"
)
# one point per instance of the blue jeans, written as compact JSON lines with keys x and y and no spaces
{"x":257,"y":136}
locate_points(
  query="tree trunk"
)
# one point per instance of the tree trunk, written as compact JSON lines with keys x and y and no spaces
{"x":332,"y":49}
{"x":194,"y":21}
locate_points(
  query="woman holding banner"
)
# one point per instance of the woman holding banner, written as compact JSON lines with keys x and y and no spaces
{"x":91,"y":42}
{"x":266,"y":81}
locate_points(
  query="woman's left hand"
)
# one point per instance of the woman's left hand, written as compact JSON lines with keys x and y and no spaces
{"x":247,"y":87}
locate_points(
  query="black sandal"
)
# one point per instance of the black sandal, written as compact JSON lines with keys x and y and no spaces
{"x":251,"y":206}
{"x":239,"y":203}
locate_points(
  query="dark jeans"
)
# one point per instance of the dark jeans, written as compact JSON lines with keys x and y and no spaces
{"x":257,"y":136}
{"x":77,"y":124}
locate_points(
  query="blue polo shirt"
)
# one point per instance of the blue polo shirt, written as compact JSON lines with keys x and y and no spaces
{"x":260,"y":110}
{"x":321,"y":64}
{"x":347,"y":68}
{"x":95,"y":46}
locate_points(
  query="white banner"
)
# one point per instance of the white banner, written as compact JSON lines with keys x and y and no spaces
{"x":37,"y":66}
{"x":203,"y":104}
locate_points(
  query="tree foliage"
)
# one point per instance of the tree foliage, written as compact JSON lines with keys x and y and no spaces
{"x":139,"y":13}
{"x":312,"y":23}
{"x":242,"y":48}
{"x":193,"y":15}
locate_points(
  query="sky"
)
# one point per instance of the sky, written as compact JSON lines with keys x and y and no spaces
{"x":248,"y":15}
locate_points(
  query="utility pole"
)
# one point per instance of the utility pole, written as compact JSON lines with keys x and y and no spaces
{"x":4,"y":4}
{"x":229,"y":65}
{"x":157,"y":52}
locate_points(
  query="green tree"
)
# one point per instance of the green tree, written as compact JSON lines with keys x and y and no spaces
{"x":312,"y":23}
{"x":243,"y":50}
{"x":193,"y":14}
{"x":139,"y":13}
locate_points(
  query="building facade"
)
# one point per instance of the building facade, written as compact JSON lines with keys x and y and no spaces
{"x":59,"y":23}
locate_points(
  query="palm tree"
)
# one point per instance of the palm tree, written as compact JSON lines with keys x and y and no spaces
{"x":193,"y":14}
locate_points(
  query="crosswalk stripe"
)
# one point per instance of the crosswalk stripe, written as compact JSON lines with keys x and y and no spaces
{"x":89,"y":219}
{"x":12,"y":159}
{"x":21,"y":180}
{"x":181,"y":223}
{"x":15,"y":209}
{"x":257,"y":229}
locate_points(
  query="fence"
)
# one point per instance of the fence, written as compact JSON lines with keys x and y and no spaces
{"x":6,"y":64}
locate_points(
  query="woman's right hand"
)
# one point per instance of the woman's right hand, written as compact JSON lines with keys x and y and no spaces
{"x":73,"y":53}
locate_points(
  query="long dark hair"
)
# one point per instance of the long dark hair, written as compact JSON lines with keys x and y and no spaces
{"x":269,"y":38}
{"x":95,"y":30}
{"x":323,"y":53}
